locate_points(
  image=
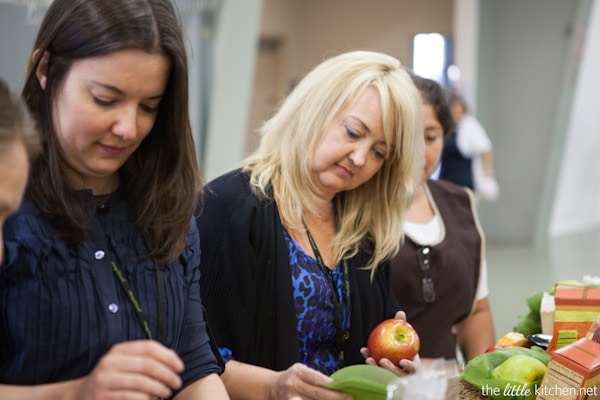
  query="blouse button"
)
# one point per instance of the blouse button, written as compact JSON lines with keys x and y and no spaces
{"x":113,"y":308}
{"x":99,"y":254}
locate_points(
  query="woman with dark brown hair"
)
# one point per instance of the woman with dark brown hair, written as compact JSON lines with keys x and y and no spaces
{"x":439,"y":276}
{"x":99,"y":289}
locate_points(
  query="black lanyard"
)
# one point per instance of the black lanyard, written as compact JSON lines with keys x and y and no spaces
{"x":342,"y":333}
{"x":136,"y":304}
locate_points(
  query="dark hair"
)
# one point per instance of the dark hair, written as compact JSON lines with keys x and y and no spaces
{"x":16,"y":123}
{"x":435,"y":95}
{"x":161,"y":178}
{"x":456,"y":98}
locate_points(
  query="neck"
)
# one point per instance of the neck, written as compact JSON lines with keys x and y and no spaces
{"x":420,"y":211}
{"x":322,"y":215}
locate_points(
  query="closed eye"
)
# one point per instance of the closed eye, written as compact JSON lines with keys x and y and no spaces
{"x":102,"y":102}
{"x":380,"y":153}
{"x":149,"y":109}
{"x":352,"y":134}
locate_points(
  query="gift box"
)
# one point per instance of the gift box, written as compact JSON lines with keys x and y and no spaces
{"x":573,"y":373}
{"x":576,"y":308}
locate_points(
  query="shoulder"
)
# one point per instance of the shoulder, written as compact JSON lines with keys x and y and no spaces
{"x":27,"y":221}
{"x":453,"y":202}
{"x":232,"y":182}
{"x":450,"y":194}
{"x":442,"y":186}
{"x":27,"y":233}
{"x":228,"y":189}
{"x":230,"y":197}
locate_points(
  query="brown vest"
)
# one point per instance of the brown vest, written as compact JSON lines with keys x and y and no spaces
{"x":455,"y":264}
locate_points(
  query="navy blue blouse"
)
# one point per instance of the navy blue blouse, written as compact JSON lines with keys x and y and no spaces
{"x":61,"y":307}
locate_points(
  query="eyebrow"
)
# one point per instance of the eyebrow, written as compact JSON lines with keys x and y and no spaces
{"x":365,"y":127}
{"x":121,"y":92}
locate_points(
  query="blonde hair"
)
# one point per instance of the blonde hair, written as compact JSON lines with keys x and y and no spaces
{"x":369,"y":216}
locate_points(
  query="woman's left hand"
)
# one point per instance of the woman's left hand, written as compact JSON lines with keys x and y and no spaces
{"x":405,"y":367}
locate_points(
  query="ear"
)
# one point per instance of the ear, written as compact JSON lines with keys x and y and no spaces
{"x":41,"y":70}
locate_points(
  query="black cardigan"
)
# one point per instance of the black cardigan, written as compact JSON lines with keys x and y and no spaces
{"x":246,"y":282}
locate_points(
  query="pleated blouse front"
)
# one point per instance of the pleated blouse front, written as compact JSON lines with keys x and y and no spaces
{"x":61,"y":307}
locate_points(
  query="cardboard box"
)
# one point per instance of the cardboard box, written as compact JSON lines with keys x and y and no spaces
{"x":573,"y":373}
{"x":576,"y":308}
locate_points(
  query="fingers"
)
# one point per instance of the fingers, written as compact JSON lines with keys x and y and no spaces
{"x":400,"y":315}
{"x":139,"y":369}
{"x":309,"y":375}
{"x":407,"y":367}
{"x":302,"y":382}
{"x":150,"y":360}
{"x":154,"y":349}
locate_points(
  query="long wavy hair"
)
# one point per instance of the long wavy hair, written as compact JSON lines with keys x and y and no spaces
{"x":161,"y":178}
{"x":370,"y":216}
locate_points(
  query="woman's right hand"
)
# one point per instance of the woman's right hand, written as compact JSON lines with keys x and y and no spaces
{"x":301,"y":382}
{"x":143,"y":370}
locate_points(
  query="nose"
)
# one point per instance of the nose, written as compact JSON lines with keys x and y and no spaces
{"x":358,"y":155}
{"x":125,"y":124}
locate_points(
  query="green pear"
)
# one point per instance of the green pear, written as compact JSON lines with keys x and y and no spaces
{"x":520,"y":369}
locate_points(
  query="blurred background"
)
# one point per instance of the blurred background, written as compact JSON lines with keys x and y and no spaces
{"x":528,"y":69}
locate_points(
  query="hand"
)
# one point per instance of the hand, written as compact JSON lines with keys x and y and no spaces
{"x":133,"y":370}
{"x":488,"y":188}
{"x":405,"y":367}
{"x":300,"y":382}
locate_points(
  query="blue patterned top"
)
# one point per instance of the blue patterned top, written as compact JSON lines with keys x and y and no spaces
{"x":315,"y":308}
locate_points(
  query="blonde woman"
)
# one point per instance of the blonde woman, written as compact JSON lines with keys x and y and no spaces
{"x":295,"y":244}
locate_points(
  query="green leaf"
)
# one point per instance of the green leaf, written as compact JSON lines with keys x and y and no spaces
{"x":529,"y":323}
{"x":535,"y":302}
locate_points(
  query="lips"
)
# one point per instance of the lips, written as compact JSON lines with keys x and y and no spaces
{"x":112,"y":150}
{"x":345,"y":171}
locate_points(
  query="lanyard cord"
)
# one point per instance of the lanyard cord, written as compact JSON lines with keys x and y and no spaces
{"x":342,"y":333}
{"x":136,"y":304}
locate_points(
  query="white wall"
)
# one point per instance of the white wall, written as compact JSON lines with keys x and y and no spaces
{"x":525,"y":84}
{"x":16,"y":42}
{"x":466,"y":46}
{"x":577,"y":199}
{"x":235,"y":53}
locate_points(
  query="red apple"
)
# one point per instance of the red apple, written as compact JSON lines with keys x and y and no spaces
{"x":394,"y":339}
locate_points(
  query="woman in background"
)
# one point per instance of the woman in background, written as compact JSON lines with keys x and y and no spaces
{"x":439,"y":277}
{"x":19,"y":142}
{"x":99,"y":290}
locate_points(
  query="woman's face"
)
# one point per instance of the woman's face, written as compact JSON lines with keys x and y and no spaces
{"x":434,"y":141}
{"x":14,"y":170}
{"x":103,"y":111}
{"x":353,"y":148}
